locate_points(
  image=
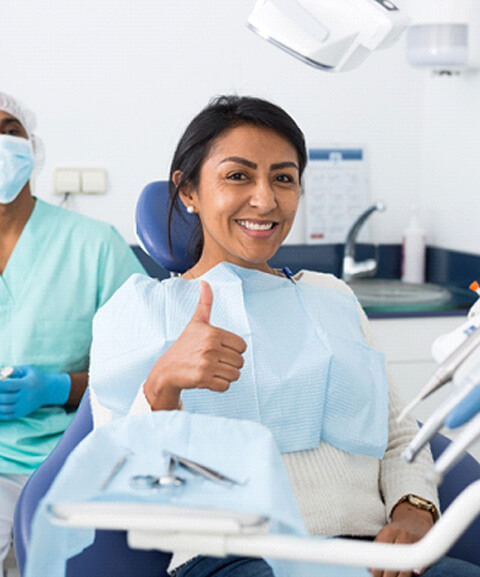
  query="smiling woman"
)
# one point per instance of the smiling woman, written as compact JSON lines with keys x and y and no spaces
{"x":237,"y":339}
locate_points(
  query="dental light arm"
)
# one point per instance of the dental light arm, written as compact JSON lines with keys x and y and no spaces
{"x":328,"y":35}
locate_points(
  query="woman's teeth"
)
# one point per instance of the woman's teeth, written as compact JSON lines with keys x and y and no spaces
{"x":256,"y":225}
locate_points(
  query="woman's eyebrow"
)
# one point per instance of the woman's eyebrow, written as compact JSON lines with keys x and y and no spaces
{"x":240,"y":160}
{"x":250,"y":164}
{"x":287,"y":164}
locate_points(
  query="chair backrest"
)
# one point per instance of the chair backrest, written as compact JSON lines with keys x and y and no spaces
{"x":152,"y":228}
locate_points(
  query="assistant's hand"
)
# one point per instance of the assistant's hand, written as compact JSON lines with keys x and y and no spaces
{"x":408,"y":525}
{"x":28,"y":389}
{"x":203,"y":357}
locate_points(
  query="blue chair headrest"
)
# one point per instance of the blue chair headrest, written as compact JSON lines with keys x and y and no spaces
{"x":152,"y":228}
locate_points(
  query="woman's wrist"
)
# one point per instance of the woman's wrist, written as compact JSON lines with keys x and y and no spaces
{"x":162,"y":397}
{"x":411,"y":502}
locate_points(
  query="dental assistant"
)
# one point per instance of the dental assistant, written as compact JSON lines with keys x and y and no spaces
{"x":236,"y":338}
{"x":56,"y":269}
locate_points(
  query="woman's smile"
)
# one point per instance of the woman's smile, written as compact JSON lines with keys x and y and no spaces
{"x":257,"y":228}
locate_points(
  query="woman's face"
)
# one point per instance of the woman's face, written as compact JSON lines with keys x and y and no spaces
{"x":247,"y":197}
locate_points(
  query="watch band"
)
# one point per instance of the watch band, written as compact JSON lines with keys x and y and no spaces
{"x":419,"y":503}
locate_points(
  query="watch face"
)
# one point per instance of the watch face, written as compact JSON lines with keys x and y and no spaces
{"x":419,"y":502}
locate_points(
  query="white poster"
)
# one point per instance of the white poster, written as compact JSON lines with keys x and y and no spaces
{"x":336,"y":192}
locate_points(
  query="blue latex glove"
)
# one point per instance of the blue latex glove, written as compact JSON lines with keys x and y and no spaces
{"x":465,"y":410}
{"x":28,"y":389}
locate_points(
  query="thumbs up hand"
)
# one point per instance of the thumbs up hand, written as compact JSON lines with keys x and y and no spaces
{"x":203,"y":357}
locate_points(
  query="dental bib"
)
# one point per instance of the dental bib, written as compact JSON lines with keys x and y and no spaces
{"x":308,"y":374}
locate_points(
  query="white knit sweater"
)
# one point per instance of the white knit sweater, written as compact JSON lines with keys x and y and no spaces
{"x":342,"y":493}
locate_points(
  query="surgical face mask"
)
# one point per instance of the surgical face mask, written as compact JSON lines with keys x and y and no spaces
{"x":16,"y":166}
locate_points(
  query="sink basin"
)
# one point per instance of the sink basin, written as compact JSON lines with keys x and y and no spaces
{"x":395,"y":295}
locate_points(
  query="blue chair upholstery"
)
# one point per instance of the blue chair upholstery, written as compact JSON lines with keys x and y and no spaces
{"x":152,"y":225}
{"x":109,"y":555}
{"x":466,"y":472}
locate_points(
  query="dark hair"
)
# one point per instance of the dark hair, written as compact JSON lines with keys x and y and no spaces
{"x":221,"y":114}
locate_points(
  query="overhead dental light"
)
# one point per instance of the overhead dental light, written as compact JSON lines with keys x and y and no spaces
{"x":331,"y":35}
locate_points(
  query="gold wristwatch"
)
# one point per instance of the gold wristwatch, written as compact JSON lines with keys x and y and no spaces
{"x":419,"y":503}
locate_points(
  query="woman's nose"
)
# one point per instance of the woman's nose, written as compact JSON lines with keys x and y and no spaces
{"x":263,"y":196}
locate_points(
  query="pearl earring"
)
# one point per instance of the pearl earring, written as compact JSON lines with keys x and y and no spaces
{"x":190,"y":209}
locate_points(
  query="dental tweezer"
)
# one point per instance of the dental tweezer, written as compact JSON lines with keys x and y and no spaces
{"x":202,"y":470}
{"x":114,"y":472}
{"x":445,"y":372}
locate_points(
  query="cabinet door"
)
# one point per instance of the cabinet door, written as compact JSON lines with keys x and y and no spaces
{"x":408,"y":340}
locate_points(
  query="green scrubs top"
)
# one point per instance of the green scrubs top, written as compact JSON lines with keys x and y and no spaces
{"x":63,"y":268}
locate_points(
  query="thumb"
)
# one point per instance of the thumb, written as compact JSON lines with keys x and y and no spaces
{"x":204,"y":307}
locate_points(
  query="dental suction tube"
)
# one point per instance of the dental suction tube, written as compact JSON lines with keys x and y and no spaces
{"x":445,"y":372}
{"x":435,"y":422}
{"x":455,"y":451}
{"x":438,"y":418}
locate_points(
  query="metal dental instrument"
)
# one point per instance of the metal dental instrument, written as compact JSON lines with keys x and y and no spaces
{"x":445,"y":371}
{"x":168,"y":479}
{"x":202,"y":470}
{"x":113,"y":473}
{"x":5,"y":373}
{"x":455,"y":451}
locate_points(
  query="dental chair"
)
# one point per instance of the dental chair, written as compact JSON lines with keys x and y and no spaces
{"x":109,"y":555}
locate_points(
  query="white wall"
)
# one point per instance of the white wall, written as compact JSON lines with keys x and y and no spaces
{"x":115,"y":82}
{"x":450,"y":174}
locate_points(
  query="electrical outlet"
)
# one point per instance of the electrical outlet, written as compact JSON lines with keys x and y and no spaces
{"x":80,"y":181}
{"x":93,"y":181}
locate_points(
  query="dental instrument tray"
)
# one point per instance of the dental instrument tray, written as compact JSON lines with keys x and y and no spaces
{"x":115,"y":515}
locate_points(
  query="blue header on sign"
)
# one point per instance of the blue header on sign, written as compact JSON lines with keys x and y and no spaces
{"x":335,"y":154}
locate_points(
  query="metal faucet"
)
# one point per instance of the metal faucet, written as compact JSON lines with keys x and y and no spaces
{"x":351,"y":268}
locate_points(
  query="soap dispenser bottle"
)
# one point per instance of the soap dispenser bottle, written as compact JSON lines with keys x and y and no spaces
{"x":413,"y":251}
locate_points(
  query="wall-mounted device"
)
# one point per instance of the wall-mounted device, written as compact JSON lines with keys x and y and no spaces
{"x":331,"y":35}
{"x":444,"y":36}
{"x":80,"y":181}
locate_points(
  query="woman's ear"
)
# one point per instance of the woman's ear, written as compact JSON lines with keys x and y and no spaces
{"x":185,"y":193}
